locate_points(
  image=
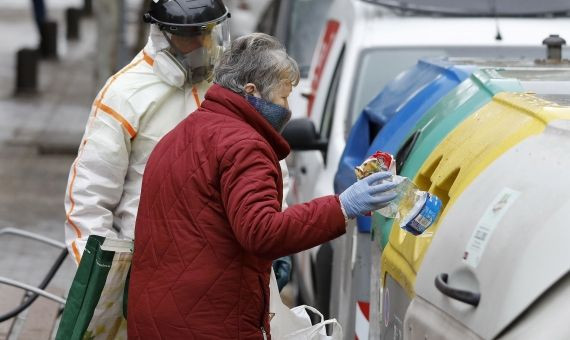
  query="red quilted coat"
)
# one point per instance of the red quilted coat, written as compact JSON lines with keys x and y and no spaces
{"x":210,"y":223}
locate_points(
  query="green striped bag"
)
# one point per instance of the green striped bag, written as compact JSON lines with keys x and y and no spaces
{"x":96,"y":303}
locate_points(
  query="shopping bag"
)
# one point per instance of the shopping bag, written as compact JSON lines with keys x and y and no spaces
{"x":295,"y":323}
{"x":94,"y":307}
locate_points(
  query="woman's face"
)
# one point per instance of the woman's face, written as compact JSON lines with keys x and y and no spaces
{"x":279,"y":94}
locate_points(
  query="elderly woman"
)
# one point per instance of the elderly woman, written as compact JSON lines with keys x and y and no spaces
{"x":210,"y":219}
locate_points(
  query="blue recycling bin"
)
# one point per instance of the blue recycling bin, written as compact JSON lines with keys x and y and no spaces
{"x":388,"y":120}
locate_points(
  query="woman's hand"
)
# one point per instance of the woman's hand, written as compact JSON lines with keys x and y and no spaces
{"x":367,"y":195}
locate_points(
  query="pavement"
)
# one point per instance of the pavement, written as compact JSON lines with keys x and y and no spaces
{"x":39,"y":137}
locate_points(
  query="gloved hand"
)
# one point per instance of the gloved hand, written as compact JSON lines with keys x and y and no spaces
{"x":367,"y":195}
{"x":282,"y":269}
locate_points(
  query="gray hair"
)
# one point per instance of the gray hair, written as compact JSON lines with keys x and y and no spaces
{"x":255,"y":58}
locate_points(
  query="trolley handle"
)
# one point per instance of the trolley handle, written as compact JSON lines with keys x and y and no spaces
{"x":33,"y":236}
{"x":32,"y":295}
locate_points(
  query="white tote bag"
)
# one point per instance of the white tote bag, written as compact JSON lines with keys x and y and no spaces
{"x":295,"y":323}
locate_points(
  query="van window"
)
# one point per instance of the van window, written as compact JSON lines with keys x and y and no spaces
{"x":330,"y":102}
{"x":377,"y":68}
{"x":268,"y":20}
{"x":304,"y":30}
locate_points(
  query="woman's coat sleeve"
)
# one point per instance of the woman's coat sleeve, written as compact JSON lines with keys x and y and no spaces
{"x":248,"y":184}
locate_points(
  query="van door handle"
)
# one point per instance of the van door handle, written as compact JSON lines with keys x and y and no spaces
{"x":470,"y":298}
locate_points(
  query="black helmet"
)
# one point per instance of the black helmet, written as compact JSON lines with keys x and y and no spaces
{"x":186,"y":17}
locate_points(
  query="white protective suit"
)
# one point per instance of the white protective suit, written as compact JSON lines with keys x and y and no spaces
{"x":130,"y":115}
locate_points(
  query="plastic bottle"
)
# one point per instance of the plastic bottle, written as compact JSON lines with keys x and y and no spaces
{"x":415,"y":210}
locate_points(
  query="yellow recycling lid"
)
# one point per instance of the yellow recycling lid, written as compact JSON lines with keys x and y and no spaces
{"x":472,"y":146}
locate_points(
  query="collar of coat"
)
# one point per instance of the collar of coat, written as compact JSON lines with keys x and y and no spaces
{"x":223,"y":101}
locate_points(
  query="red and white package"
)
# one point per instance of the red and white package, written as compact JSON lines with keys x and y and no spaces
{"x":379,"y":161}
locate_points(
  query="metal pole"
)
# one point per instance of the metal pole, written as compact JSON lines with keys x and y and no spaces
{"x":87,"y":9}
{"x":48,"y":39}
{"x":26,"y":71}
{"x":72,"y":16}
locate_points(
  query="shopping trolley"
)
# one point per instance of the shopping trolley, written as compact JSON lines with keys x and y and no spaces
{"x":18,"y":315}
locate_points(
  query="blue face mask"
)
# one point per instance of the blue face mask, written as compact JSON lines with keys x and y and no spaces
{"x":275,"y":114}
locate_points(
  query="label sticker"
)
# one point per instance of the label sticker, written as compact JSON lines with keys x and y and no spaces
{"x":487,"y":224}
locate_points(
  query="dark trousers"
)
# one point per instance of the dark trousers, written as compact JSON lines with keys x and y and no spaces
{"x":39,"y":13}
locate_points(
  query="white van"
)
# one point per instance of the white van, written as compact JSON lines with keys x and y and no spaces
{"x":363,"y":46}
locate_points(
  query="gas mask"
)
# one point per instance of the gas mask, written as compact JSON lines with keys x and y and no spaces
{"x":177,"y":68}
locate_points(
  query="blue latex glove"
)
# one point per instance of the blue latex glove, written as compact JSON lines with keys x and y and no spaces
{"x":367,"y":195}
{"x":282,"y":269}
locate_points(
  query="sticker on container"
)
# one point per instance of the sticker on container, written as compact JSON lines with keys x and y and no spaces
{"x":487,"y":224}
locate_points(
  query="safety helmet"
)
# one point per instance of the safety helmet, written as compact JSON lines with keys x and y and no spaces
{"x":190,"y":19}
{"x":186,"y":17}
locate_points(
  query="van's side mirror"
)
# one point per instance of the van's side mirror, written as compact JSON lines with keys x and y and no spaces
{"x":301,"y":135}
